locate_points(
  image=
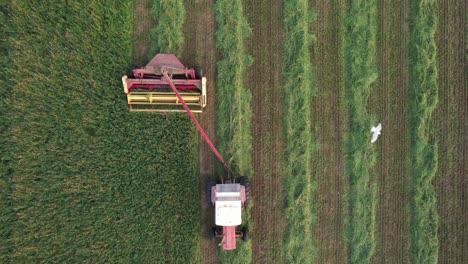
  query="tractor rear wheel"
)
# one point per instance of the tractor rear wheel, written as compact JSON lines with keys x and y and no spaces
{"x":198,"y":72}
{"x":213,"y":234}
{"x":210,"y":183}
{"x":244,"y":181}
{"x":245,"y":233}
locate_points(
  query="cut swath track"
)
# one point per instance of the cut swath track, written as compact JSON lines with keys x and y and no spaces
{"x":450,"y":119}
{"x":329,"y":120}
{"x":264,"y":80}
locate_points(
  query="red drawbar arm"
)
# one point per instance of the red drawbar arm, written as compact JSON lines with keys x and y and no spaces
{"x":194,"y":120}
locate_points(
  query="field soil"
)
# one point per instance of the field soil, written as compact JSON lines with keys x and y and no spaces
{"x":142,"y":24}
{"x":199,"y":50}
{"x":263,"y":79}
{"x":329,"y":123}
{"x":389,"y":104}
{"x":451,"y":121}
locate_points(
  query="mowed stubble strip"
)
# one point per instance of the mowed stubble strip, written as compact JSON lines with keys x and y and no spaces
{"x":199,"y":50}
{"x":328,"y":124}
{"x":263,"y":80}
{"x":451,"y":120}
{"x":389,"y":102}
{"x":142,"y":24}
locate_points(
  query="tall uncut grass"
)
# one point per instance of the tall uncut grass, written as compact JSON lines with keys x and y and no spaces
{"x":233,"y":109}
{"x":7,"y":215}
{"x":299,"y":87}
{"x":168,"y":35}
{"x":92,"y":182}
{"x":360,"y":72}
{"x":424,"y":220}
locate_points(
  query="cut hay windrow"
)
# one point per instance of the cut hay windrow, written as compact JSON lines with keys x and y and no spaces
{"x":299,"y":87}
{"x":168,"y":34}
{"x":360,"y":72}
{"x":424,"y":219}
{"x":233,"y":109}
{"x":92,"y":182}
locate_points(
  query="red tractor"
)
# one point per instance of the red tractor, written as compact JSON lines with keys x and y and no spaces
{"x":229,"y":199}
{"x":166,"y":85}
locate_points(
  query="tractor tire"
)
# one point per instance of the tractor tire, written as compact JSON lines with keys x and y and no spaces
{"x":210,"y":183}
{"x":213,"y":234}
{"x":245,"y":234}
{"x":244,"y":181}
{"x":198,"y":72}
{"x":130,"y":71}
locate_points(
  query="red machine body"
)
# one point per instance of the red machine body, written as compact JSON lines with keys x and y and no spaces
{"x":148,"y":91}
{"x":229,"y":237}
{"x":150,"y":76}
{"x":165,"y":81}
{"x":229,"y":200}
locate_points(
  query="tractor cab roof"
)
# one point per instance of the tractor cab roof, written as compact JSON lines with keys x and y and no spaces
{"x":228,"y":205}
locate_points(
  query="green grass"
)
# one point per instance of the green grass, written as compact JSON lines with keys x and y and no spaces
{"x":360,"y":72}
{"x":167,"y":36}
{"x":233,"y":109}
{"x":7,"y":215}
{"x":299,"y":87}
{"x":89,"y":181}
{"x":424,"y":219}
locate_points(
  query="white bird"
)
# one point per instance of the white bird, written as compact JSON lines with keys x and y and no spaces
{"x":376,"y":131}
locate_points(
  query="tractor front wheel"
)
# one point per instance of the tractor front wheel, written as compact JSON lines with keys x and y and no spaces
{"x":245,"y":233}
{"x":198,"y":72}
{"x":244,"y":181}
{"x":213,"y":234}
{"x":211,"y":182}
{"x":130,"y":71}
